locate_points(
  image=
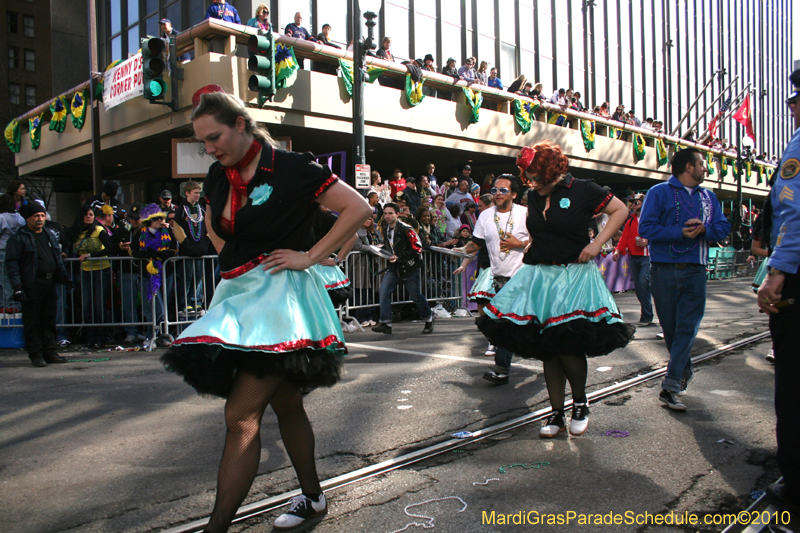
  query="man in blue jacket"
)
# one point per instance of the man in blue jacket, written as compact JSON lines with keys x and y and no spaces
{"x":680,"y":218}
{"x":780,"y":287}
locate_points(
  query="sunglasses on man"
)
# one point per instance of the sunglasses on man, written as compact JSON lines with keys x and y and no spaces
{"x":500,"y":190}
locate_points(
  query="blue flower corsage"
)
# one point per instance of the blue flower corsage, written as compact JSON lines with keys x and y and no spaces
{"x":564,"y":203}
{"x":261,"y":194}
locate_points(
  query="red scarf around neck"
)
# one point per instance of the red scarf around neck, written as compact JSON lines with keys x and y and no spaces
{"x":235,"y":179}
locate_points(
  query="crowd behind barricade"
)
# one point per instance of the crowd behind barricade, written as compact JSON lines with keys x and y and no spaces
{"x":116,"y":258}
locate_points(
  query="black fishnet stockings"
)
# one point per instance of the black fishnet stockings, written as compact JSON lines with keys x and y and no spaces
{"x":244,"y":410}
{"x":558,"y":371}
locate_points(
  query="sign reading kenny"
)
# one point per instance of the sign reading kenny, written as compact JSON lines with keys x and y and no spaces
{"x":123,"y":82}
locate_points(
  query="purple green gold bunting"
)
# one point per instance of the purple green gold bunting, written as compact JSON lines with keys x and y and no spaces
{"x":13,"y":136}
{"x":414,"y":91}
{"x":474,"y":100}
{"x":59,"y":111}
{"x":588,"y":134}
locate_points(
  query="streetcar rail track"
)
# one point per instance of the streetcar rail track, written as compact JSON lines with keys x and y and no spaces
{"x":275,"y":502}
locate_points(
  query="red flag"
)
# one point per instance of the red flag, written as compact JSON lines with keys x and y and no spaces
{"x":712,"y":127}
{"x":744,"y":117}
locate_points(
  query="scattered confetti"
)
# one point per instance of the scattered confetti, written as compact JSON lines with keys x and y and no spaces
{"x":603,"y":368}
{"x":463,"y":435}
{"x":756,"y":494}
{"x":402,"y":407}
{"x":725,"y":441}
{"x":616,"y":433}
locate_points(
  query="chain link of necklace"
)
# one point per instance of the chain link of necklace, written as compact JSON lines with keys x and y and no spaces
{"x":677,"y":253}
{"x":194,"y":220}
{"x":502,"y":233}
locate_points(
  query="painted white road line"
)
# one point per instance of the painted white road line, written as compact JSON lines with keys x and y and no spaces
{"x":485,"y":360}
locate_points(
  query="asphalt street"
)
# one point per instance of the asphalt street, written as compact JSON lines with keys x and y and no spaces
{"x":121,"y":445}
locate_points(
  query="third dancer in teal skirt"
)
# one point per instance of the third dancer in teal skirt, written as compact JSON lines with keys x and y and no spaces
{"x":557,"y":307}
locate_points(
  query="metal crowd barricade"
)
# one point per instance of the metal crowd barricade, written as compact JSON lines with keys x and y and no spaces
{"x":438,"y":283}
{"x":108,"y":293}
{"x":187,"y":287}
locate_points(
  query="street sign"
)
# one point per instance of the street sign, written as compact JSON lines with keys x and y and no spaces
{"x":362,"y":176}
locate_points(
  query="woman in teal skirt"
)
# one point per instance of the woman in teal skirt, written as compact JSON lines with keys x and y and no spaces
{"x":271,"y":328}
{"x":557,"y":307}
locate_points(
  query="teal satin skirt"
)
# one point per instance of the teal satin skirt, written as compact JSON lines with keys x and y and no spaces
{"x":336,"y":283}
{"x":549,"y":310}
{"x":280,"y":324}
{"x":761,"y":273}
{"x":483,"y":288}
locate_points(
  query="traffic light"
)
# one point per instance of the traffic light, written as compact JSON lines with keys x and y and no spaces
{"x":153,"y":66}
{"x":262,"y":62}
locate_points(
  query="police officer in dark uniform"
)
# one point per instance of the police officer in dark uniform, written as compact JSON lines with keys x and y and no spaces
{"x":33,"y":259}
{"x":777,"y":296}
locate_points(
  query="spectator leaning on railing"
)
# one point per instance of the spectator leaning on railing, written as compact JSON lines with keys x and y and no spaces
{"x":90,"y":242}
{"x":222,"y":11}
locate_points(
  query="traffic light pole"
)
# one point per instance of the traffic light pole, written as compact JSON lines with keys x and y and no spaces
{"x":359,"y":53}
{"x":97,"y":169}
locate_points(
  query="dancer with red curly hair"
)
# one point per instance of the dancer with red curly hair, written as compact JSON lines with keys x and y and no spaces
{"x":557,"y":307}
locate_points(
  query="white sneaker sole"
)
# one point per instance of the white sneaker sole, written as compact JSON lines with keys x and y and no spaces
{"x":578,"y":427}
{"x":287,"y":521}
{"x":548,"y":432}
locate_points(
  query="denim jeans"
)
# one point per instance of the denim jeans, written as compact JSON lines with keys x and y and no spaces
{"x":129,"y":290}
{"x":502,"y":358}
{"x":640,"y":272}
{"x":147,"y":304}
{"x":190,"y":283}
{"x":390,"y":282}
{"x":680,"y":297}
{"x":95,"y":290}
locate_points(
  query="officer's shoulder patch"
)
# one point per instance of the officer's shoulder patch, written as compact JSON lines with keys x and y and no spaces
{"x":790,"y":169}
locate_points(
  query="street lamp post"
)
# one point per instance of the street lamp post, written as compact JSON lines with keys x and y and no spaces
{"x":370,"y":8}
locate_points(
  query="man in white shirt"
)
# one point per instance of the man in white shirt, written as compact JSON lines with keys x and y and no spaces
{"x":502,"y":230}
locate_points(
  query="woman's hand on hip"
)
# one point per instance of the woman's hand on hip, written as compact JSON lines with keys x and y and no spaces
{"x":286,"y":259}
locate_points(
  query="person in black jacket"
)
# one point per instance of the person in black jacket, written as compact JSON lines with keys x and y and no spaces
{"x":33,"y":259}
{"x":190,"y":216}
{"x":400,"y":240}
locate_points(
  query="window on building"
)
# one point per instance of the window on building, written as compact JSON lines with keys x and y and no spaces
{"x":27,"y":25}
{"x":13,"y":57}
{"x":334,"y":12}
{"x":197,"y":12}
{"x":12,"y":22}
{"x":173,"y":12}
{"x":30,"y":95}
{"x":13,"y":93}
{"x":30,"y":60}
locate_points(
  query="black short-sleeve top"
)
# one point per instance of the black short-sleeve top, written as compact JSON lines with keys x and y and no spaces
{"x":279,"y":209}
{"x":560,"y":238}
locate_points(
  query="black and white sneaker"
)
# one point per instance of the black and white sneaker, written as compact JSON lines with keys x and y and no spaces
{"x":580,"y":419}
{"x":554,"y":425}
{"x":770,"y":357}
{"x":668,"y":398}
{"x":301,"y":509}
{"x":490,"y":351}
{"x":496,"y":378}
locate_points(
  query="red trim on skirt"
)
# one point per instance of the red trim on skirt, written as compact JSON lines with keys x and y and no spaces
{"x":288,"y":346}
